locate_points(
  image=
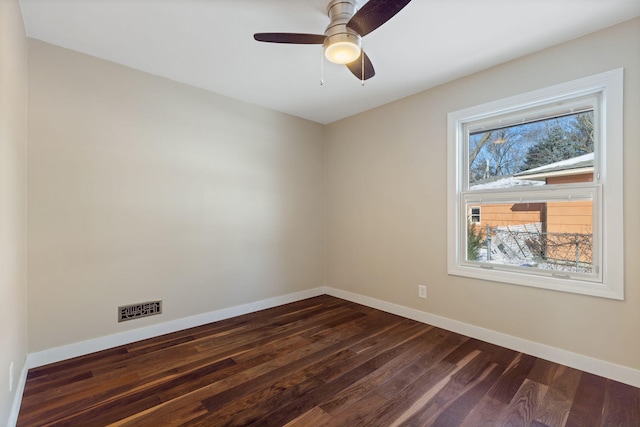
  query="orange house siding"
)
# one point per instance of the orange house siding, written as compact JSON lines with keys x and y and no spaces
{"x":504,"y":214}
{"x":556,"y":217}
{"x":570,"y":217}
{"x":568,"y":179}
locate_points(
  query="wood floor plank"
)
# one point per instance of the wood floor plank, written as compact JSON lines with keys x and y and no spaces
{"x":315,"y":417}
{"x":436,"y":400}
{"x":376,"y":352}
{"x":47,"y":411}
{"x":524,"y":404}
{"x":412,"y":395}
{"x":588,"y":401}
{"x":398,"y":357}
{"x":459,"y":407}
{"x":621,"y":406}
{"x":510,"y":382}
{"x":543,"y":371}
{"x":356,"y":412}
{"x":252,"y":406}
{"x":554,"y":409}
{"x":174,"y":415}
{"x":487,"y":412}
{"x":321,"y":361}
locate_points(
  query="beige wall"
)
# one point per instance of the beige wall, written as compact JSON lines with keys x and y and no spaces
{"x":141,"y":188}
{"x":13,"y":145}
{"x":386,"y":197}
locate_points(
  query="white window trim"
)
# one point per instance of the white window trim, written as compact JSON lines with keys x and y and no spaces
{"x":610,"y":86}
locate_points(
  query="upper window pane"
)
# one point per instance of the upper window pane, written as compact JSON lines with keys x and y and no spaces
{"x":552,"y":150}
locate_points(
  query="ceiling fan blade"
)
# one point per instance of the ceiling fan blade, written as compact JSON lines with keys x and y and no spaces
{"x":375,"y":13}
{"x":293,"y":38}
{"x":356,"y":67}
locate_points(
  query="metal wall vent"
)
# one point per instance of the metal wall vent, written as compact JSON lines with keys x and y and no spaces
{"x":136,"y":311}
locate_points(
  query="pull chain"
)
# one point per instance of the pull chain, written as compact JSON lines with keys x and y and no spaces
{"x":362,"y":62}
{"x":322,"y":68}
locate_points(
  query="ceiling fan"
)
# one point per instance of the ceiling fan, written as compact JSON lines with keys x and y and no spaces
{"x":342,"y":39}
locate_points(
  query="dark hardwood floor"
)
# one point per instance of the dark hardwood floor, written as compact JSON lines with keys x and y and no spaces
{"x":321,"y":361}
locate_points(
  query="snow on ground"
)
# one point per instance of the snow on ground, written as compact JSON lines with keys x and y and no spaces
{"x":513,"y":249}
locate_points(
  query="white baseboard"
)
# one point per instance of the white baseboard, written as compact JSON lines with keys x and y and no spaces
{"x":592,"y":365}
{"x":17,"y":397}
{"x":69,"y":351}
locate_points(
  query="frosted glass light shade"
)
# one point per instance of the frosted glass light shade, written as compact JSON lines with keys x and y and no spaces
{"x":342,"y":52}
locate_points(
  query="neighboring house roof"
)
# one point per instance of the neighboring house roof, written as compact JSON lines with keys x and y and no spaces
{"x":505,"y":181}
{"x":537,"y":176}
{"x":573,"y":166}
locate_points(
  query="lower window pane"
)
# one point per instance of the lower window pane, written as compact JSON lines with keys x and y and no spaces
{"x":554,"y":235}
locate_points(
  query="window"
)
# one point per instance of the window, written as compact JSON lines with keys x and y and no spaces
{"x":474,"y":214}
{"x":545,"y":170}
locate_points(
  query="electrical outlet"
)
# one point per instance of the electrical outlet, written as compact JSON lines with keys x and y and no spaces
{"x":11,"y":377}
{"x":422,"y":291}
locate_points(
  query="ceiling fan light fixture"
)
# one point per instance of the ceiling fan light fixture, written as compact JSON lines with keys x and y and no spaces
{"x":342,"y":48}
{"x":342,"y":37}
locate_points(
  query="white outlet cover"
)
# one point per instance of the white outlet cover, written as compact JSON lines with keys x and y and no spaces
{"x":422,"y":291}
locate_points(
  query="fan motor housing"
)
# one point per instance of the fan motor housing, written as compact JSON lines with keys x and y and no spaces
{"x":348,"y":8}
{"x":340,"y":12}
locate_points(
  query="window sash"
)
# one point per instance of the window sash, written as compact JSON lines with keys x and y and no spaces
{"x":541,"y":112}
{"x":570,"y":192}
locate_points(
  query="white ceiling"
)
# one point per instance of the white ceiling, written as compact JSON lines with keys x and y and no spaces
{"x":209,"y":44}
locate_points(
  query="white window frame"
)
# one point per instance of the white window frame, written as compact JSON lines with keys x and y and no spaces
{"x":606,"y":190}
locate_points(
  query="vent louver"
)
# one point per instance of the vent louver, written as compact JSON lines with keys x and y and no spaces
{"x":136,"y":311}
